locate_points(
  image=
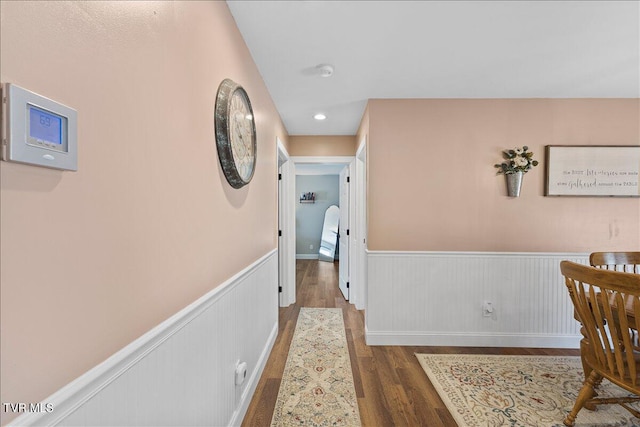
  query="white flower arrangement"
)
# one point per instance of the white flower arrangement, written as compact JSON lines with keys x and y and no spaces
{"x":516,"y":160}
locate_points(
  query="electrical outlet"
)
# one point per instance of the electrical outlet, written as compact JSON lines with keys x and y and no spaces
{"x":310,"y":246}
{"x":240,"y":372}
{"x":487,"y":309}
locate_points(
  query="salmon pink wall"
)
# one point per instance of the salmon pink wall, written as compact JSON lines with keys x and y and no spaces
{"x":316,"y":145}
{"x":91,"y":260}
{"x":432,"y":185}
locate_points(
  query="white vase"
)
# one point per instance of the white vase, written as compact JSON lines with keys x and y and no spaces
{"x":514,"y":183}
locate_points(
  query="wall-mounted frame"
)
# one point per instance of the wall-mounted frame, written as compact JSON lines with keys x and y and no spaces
{"x":592,"y":170}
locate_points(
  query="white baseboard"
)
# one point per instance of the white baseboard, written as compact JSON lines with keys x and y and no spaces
{"x":182,"y":371}
{"x":472,"y":340}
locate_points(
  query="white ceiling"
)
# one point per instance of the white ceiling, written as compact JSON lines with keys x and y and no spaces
{"x":436,"y":49}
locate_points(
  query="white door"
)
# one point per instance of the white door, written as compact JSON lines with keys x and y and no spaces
{"x":282,"y":262}
{"x":286,"y":227}
{"x":358,"y":271}
{"x":344,"y":232}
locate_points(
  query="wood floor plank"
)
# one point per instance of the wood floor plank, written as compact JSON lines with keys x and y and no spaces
{"x":391,"y":387}
{"x":355,"y":368}
{"x":374,"y":403}
{"x":262,"y":405}
{"x":416,"y":398}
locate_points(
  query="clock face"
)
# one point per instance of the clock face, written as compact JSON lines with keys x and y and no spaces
{"x":242,"y":135}
{"x":235,"y":134}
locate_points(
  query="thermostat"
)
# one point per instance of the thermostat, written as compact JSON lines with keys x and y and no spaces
{"x":37,"y":130}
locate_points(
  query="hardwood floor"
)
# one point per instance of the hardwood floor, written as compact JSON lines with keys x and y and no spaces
{"x":391,"y":387}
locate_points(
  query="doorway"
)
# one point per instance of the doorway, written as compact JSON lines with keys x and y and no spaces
{"x":343,"y":166}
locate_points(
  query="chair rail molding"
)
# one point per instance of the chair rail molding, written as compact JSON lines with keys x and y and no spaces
{"x":437,"y":298}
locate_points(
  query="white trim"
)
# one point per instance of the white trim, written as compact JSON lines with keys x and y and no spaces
{"x":404,"y":338}
{"x":375,"y":253}
{"x":283,"y":155}
{"x":286,"y":223}
{"x":72,"y":396}
{"x":346,"y":219}
{"x":345,"y":160}
{"x":363,"y":145}
{"x":359,"y":282}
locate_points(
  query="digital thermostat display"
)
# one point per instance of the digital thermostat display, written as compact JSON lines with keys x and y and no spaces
{"x":44,"y":126}
{"x":38,"y":130}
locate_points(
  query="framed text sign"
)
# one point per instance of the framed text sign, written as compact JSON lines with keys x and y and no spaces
{"x":593,"y":170}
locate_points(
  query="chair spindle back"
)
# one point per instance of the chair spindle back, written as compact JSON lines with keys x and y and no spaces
{"x":618,"y":261}
{"x":608,"y":305}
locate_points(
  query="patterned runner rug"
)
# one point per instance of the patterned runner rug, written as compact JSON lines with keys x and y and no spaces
{"x":317,"y":384}
{"x":490,"y":390}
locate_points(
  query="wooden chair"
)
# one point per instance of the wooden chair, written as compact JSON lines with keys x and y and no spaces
{"x":618,"y":261}
{"x":608,"y":305}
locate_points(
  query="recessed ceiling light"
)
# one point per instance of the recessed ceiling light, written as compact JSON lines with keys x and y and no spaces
{"x":319,"y":116}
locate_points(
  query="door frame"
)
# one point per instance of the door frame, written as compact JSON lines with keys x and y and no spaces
{"x":286,"y":188}
{"x":359,"y":240}
{"x":346,"y":219}
{"x":343,"y":160}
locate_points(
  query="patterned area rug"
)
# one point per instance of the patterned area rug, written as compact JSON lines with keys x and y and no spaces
{"x":317,"y":384}
{"x":489,"y":390}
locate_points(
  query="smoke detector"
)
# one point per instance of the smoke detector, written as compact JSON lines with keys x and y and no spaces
{"x":325,"y":70}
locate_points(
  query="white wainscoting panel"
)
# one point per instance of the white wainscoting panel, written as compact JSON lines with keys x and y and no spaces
{"x":181,"y":373}
{"x":436,"y":298}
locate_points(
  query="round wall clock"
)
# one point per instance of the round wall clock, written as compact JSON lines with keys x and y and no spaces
{"x":235,"y":133}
